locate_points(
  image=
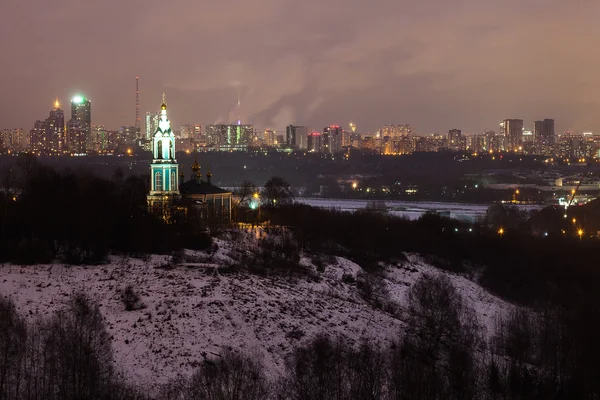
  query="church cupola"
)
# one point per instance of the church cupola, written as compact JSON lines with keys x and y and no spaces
{"x":196,"y":170}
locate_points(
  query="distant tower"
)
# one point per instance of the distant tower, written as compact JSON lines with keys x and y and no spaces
{"x":137,"y":104}
{"x":239,"y":105}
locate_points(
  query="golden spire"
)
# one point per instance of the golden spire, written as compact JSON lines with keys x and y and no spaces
{"x":196,"y":169}
{"x":56,"y":104}
{"x":164,"y":102}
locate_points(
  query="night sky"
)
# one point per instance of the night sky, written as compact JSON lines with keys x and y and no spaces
{"x":435,"y":64}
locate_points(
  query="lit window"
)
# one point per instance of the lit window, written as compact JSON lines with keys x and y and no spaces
{"x":158,"y":181}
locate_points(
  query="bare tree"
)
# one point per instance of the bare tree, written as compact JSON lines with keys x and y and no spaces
{"x":13,"y":337}
{"x":277,"y":192}
{"x":231,"y":376}
{"x":317,"y":372}
{"x":78,"y":351}
{"x":435,"y":358}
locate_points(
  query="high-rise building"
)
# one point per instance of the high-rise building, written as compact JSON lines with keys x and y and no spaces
{"x":191,"y":131}
{"x":151,"y":125}
{"x":314,"y":142}
{"x":454,"y":136}
{"x":269,"y":138}
{"x":128,"y":134}
{"x":230,"y":137}
{"x":77,"y":137}
{"x":297,"y":136}
{"x":99,"y":140}
{"x":48,"y":136}
{"x":332,"y":139}
{"x":80,"y":125}
{"x":37,"y":137}
{"x":543,"y":132}
{"x":395,"y":131}
{"x":512,"y":131}
{"x":12,"y":140}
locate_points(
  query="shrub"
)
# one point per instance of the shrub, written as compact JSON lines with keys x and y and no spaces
{"x":131,"y":299}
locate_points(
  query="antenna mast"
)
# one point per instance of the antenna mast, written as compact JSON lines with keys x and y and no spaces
{"x":137,"y":103}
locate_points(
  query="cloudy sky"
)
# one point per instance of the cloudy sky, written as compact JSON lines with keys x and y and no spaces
{"x":435,"y":64}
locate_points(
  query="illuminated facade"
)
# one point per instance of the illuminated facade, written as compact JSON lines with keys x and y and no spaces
{"x":229,"y":137}
{"x":269,"y":138}
{"x":164,"y":170}
{"x":512,"y":131}
{"x":79,"y":126}
{"x":331,"y":140}
{"x":12,"y":140}
{"x":48,"y":136}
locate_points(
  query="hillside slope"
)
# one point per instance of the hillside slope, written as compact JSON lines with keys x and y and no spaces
{"x":196,"y":308}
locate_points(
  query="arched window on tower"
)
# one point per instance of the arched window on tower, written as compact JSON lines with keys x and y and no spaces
{"x":171,"y":150}
{"x":173,"y":181}
{"x":159,"y":149}
{"x":158,"y":186}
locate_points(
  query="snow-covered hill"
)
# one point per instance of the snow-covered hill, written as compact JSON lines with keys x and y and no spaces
{"x":196,"y":308}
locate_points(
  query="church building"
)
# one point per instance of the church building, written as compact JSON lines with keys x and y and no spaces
{"x":199,"y":199}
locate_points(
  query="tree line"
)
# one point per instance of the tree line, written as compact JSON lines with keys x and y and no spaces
{"x":80,"y":218}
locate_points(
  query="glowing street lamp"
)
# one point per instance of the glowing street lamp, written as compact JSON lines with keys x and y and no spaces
{"x":580,"y":233}
{"x":501,"y":232}
{"x":256,"y":204}
{"x":354,"y":185}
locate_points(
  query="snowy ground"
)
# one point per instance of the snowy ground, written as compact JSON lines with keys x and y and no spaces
{"x":410,"y":209}
{"x":194,"y":308}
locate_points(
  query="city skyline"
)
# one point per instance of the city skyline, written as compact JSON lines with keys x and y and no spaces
{"x":350,"y":126}
{"x":435,"y":65}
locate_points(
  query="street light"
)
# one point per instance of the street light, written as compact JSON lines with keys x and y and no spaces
{"x":580,"y":233}
{"x":501,"y":231}
{"x":256,"y":197}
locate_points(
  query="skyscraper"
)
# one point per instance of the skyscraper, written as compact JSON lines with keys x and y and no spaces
{"x":512,"y":131}
{"x":48,"y":136}
{"x":296,"y":136}
{"x":79,"y":126}
{"x":543,"y":132}
{"x":331,"y":139}
{"x":314,"y":142}
{"x":55,"y":130}
{"x":151,"y":125}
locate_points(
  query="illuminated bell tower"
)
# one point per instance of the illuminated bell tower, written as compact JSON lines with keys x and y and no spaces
{"x":164,"y":170}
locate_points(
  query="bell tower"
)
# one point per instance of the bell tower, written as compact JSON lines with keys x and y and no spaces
{"x":164,"y":170}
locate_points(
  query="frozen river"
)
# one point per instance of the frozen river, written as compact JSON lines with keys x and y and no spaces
{"x":409,"y":209}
